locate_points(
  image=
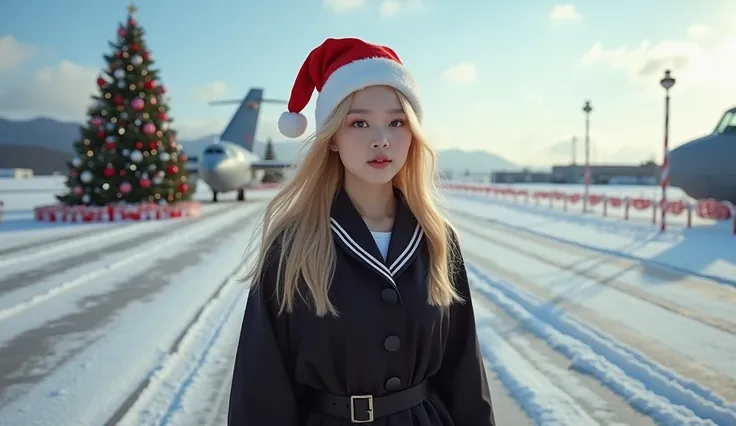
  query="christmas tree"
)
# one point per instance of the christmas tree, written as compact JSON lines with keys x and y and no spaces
{"x":127,"y":153}
{"x":271,"y":176}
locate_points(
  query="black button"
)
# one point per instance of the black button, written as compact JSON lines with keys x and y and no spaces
{"x":393,"y":384}
{"x":392,"y":343}
{"x":389,"y":296}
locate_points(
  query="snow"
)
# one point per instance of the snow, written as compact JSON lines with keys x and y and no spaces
{"x":137,"y":324}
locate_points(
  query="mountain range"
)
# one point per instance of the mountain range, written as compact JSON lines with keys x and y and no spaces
{"x":44,"y":145}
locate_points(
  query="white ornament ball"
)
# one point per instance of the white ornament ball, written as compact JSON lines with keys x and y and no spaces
{"x":76,"y":162}
{"x":86,"y":176}
{"x":165,"y":156}
{"x":85,"y":199}
{"x":136,"y":156}
{"x":136,"y":60}
{"x":119,"y":73}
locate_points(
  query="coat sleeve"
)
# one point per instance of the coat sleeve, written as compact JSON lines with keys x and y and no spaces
{"x":262,"y":390}
{"x":461,"y":381}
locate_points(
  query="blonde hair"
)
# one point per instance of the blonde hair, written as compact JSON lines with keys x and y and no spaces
{"x":297,"y":220}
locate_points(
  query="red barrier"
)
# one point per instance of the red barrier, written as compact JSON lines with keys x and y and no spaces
{"x":115,"y":213}
{"x":705,"y":209}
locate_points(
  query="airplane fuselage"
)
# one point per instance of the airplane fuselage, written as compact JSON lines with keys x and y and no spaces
{"x":706,"y":167}
{"x":225,"y":167}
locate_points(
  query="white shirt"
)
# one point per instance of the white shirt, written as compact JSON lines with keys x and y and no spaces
{"x":382,"y":240}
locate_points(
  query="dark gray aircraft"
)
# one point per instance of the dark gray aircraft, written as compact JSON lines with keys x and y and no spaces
{"x":706,"y":167}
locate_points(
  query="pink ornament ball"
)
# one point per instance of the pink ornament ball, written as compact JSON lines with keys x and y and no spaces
{"x":137,"y":104}
{"x":78,"y":190}
{"x":125,"y":187}
{"x":149,"y":129}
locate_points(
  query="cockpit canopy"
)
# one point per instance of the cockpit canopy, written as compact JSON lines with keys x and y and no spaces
{"x":219,"y":149}
{"x":727,"y":125}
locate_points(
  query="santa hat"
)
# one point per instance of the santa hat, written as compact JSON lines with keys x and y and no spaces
{"x":337,"y":68}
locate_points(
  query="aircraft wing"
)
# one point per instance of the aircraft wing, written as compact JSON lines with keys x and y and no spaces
{"x":269,"y":164}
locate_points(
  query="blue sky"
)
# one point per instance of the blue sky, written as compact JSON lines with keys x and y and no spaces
{"x":504,"y":76}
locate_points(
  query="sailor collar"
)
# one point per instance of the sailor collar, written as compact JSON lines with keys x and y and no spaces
{"x":353,"y":235}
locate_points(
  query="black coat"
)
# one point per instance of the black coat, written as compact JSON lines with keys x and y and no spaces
{"x":382,"y":341}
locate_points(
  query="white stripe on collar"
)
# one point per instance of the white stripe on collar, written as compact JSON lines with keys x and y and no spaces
{"x":379,"y":266}
{"x":408,"y":250}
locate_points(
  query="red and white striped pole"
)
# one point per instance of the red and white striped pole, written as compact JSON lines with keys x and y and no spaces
{"x":667,"y":82}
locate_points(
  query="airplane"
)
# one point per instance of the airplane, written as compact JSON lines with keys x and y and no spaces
{"x":229,"y":164}
{"x":706,"y":167}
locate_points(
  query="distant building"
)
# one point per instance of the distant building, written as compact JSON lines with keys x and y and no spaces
{"x":16,"y":173}
{"x":644,"y":174}
{"x":524,"y":176}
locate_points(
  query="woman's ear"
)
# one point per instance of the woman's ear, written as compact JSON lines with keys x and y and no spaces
{"x":333,"y":146}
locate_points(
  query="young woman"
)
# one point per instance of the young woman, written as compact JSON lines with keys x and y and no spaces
{"x":360,"y":310}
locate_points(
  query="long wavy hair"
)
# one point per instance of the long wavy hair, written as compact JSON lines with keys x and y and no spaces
{"x":297,"y":220}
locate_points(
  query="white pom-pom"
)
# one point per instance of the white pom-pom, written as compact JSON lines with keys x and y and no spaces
{"x":292,"y":124}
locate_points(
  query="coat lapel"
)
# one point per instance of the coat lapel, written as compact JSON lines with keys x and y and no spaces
{"x":354,"y":237}
{"x":406,"y":236}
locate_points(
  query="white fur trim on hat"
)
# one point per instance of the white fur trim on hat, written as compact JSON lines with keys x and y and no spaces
{"x":292,"y":124}
{"x":361,"y":74}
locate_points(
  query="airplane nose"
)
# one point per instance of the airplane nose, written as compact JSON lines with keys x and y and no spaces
{"x":210,"y":164}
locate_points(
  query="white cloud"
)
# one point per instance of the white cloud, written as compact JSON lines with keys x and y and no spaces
{"x":211,"y":91}
{"x":343,"y":6}
{"x":697,"y":32}
{"x":462,"y":73}
{"x":389,"y":8}
{"x":62,"y":91}
{"x":691,"y":64}
{"x":564,"y":12}
{"x":13,"y":53}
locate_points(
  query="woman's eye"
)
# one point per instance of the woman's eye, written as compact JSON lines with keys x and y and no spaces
{"x":397,"y":123}
{"x":359,"y":123}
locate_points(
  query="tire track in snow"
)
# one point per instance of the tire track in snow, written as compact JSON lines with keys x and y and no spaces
{"x":599,"y":278}
{"x":647,"y":386}
{"x":29,"y":357}
{"x":28,"y":246}
{"x":601,"y":404}
{"x":131,"y":240}
{"x":135,"y":403}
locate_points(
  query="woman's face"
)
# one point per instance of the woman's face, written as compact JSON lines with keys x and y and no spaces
{"x":374,"y":138}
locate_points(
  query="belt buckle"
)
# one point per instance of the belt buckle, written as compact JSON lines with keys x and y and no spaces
{"x":369,"y":410}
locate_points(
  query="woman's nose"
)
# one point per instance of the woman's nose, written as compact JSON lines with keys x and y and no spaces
{"x":381,"y":141}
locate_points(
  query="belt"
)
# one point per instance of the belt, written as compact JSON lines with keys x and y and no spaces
{"x":366,"y":408}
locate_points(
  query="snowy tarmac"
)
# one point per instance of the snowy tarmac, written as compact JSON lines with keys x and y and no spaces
{"x":136,"y":324}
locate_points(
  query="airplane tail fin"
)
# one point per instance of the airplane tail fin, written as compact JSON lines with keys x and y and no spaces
{"x":242,"y":127}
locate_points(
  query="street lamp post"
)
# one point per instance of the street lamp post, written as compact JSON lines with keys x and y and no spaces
{"x":574,"y":151}
{"x":587,"y":109}
{"x":667,"y":82}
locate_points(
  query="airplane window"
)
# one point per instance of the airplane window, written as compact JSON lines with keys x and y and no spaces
{"x":213,"y":150}
{"x":727,"y":123}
